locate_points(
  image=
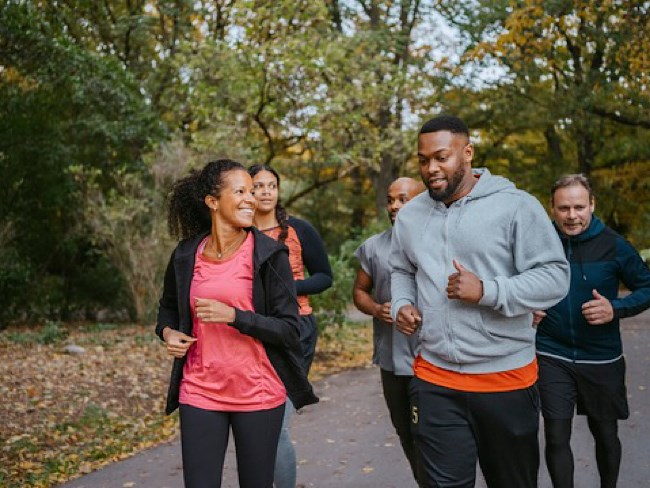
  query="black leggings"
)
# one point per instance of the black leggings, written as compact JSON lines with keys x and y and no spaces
{"x":204,"y":439}
{"x":559,"y":457}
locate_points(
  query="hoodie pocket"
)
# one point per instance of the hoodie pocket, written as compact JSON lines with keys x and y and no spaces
{"x":501,"y":330}
{"x":474,"y":339}
{"x":434,"y":334}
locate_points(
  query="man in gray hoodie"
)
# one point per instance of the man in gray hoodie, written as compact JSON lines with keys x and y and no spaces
{"x":471,"y":259}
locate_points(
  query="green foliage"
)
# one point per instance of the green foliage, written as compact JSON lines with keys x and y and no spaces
{"x":331,"y":306}
{"x":569,"y":95}
{"x":321,"y":90}
{"x":329,"y":92}
{"x":317,"y":88}
{"x":128,"y":222}
{"x":61,"y":106}
{"x":15,"y":276}
{"x":50,"y":333}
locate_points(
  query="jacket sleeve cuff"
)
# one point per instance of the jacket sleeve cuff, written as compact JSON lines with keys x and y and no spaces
{"x":159,"y":331}
{"x":490,"y":294}
{"x":395,"y":306}
{"x":242,"y":317}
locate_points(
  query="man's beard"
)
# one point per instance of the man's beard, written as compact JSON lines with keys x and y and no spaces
{"x":452,"y":185}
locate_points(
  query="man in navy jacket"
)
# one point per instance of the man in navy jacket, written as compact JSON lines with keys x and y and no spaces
{"x":579,"y":340}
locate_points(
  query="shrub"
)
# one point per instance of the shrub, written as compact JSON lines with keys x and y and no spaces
{"x":330,"y":306}
{"x":15,"y":276}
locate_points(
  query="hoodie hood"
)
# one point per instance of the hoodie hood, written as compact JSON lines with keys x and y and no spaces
{"x":488,"y":184}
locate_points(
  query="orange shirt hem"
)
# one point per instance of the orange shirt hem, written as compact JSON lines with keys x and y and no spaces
{"x":515,"y":379}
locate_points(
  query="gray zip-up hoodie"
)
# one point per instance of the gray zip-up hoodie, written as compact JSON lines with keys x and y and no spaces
{"x":504,"y":236}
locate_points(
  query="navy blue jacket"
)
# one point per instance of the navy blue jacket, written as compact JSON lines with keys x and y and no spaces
{"x":600,"y":259}
{"x":274,"y":321}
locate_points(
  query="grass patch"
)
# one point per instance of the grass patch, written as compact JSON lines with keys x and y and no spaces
{"x":50,"y":333}
{"x":99,"y":327}
{"x":342,"y":347}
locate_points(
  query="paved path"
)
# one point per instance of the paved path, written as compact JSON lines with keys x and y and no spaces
{"x":346,"y":440}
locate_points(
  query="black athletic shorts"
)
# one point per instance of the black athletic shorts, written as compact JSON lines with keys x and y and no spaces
{"x":598,"y":390}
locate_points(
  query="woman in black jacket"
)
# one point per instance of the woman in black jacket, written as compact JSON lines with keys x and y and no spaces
{"x":229,"y":317}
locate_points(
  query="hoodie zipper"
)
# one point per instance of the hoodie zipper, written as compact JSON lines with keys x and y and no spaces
{"x":449,"y":329}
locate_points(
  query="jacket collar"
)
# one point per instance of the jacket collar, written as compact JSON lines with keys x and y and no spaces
{"x":265,"y":247}
{"x":596,"y":226}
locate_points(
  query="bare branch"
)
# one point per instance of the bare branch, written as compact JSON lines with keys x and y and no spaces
{"x":620,"y":118}
{"x":318,"y":184}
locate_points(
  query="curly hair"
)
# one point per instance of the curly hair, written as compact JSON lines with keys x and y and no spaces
{"x":188,"y":215}
{"x":280,"y":212}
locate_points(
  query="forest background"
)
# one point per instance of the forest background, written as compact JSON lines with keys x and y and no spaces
{"x":103,"y":104}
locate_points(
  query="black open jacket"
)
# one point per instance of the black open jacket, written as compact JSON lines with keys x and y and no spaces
{"x":274,"y":321}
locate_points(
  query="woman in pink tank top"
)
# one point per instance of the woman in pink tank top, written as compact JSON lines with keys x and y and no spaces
{"x":229,"y":317}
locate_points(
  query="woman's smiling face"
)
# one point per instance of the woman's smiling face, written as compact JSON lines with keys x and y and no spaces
{"x":236,"y":204}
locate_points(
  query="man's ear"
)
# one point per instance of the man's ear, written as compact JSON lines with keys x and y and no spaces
{"x":468,"y":153}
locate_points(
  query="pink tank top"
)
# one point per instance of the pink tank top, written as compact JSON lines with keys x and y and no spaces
{"x":226,"y":370}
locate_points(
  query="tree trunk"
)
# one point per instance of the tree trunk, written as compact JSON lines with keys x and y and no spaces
{"x":585,"y":153}
{"x":554,"y":145}
{"x":358,"y":212}
{"x":388,"y":172}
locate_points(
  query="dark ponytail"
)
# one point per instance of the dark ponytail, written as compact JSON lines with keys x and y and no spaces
{"x":188,"y":214}
{"x":280,"y":213}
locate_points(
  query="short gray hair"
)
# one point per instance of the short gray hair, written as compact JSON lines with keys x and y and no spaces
{"x":572,"y":180}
